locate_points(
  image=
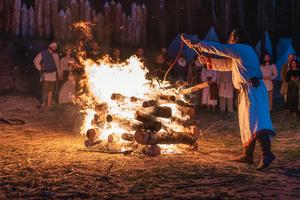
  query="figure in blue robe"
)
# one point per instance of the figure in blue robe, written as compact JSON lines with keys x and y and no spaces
{"x":253,"y":107}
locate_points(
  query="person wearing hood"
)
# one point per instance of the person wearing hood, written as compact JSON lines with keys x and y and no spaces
{"x":253,"y":108}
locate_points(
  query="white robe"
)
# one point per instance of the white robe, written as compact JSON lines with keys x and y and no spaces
{"x":253,"y":108}
{"x":205,"y":74}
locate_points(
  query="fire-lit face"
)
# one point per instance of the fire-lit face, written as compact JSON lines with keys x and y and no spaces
{"x":267,"y":58}
{"x":68,"y":52}
{"x":140,"y":52}
{"x":291,"y":57}
{"x":116,"y":53}
{"x":294,"y":64}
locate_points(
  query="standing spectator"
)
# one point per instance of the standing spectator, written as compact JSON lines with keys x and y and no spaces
{"x":209,"y":98}
{"x":95,"y":52}
{"x":225,"y":91}
{"x":284,"y":70}
{"x":292,"y":77}
{"x":47,"y":62}
{"x":180,"y":69}
{"x":140,"y":53}
{"x":269,"y":72}
{"x":116,"y":56}
{"x":160,"y":66}
{"x":66,"y":64}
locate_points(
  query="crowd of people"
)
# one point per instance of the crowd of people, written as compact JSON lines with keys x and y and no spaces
{"x":221,"y":94}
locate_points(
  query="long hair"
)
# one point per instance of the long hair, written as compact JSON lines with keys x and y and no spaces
{"x":263,"y":59}
{"x":297,"y":64}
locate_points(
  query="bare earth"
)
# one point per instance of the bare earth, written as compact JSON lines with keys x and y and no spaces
{"x":40,"y":160}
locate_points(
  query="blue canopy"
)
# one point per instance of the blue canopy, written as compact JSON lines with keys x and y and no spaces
{"x":268,"y":45}
{"x":212,"y":35}
{"x":283,"y":45}
{"x":188,"y":53}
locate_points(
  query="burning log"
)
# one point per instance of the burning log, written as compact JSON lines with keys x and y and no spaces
{"x":149,"y":103}
{"x":128,"y":137}
{"x":145,"y":118}
{"x":182,"y":103}
{"x":93,"y":134}
{"x":113,"y":138}
{"x":167,"y":97}
{"x":162,"y":111}
{"x":101,"y":108}
{"x":145,"y":137}
{"x":117,"y":97}
{"x":194,"y":88}
{"x":152,"y":150}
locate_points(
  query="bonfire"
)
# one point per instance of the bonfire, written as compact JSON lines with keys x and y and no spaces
{"x":124,"y":111}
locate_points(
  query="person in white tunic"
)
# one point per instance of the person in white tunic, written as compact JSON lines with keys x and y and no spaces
{"x":225,"y":91}
{"x":253,"y":108}
{"x":66,"y":64}
{"x":211,"y":77}
{"x":269,"y":72}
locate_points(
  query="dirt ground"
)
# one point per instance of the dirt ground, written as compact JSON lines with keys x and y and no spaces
{"x":40,"y":160}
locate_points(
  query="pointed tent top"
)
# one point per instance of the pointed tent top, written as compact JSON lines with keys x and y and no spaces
{"x":119,"y":5}
{"x":61,"y":13}
{"x":106,"y":5}
{"x":212,"y":35}
{"x":283,"y":44}
{"x":268,"y":45}
{"x":87,"y":4}
{"x":24,"y":6}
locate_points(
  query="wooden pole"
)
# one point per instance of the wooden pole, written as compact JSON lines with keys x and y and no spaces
{"x":16,"y":17}
{"x":68,"y":24}
{"x":118,"y":23}
{"x":39,"y":16}
{"x":124,"y":29}
{"x":54,"y":18}
{"x":24,"y":20}
{"x":81,"y":9}
{"x":87,"y":11}
{"x":138,"y":32}
{"x":144,"y":25}
{"x":99,"y":21}
{"x":2,"y":16}
{"x":74,"y":9}
{"x":31,"y":25}
{"x":62,"y":25}
{"x":47,"y":18}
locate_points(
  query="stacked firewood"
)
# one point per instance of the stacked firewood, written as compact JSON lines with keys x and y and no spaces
{"x":46,"y":20}
{"x":151,"y":126}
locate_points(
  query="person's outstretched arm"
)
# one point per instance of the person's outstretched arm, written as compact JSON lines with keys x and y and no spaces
{"x":213,"y":48}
